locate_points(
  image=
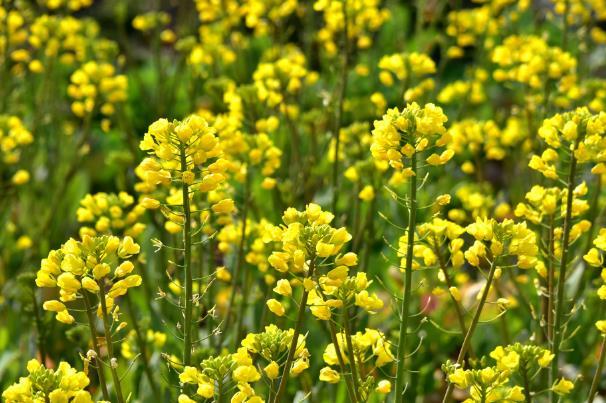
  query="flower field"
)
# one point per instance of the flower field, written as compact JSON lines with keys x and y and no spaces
{"x":316,"y":201}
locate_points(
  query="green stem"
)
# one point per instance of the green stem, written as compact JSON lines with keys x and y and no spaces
{"x":142,"y":345}
{"x":339,"y":110}
{"x":239,"y":265}
{"x":350,"y":353}
{"x":559,"y":306}
{"x":93,"y":336}
{"x":449,"y":283}
{"x":526,"y":381}
{"x":404,"y":309}
{"x":598,"y":372}
{"x":550,"y":280}
{"x":335,"y":341}
{"x":188,"y":278}
{"x":473,"y":325}
{"x":594,"y":216}
{"x":40,"y":328}
{"x":295,"y":337}
{"x":110,"y":345}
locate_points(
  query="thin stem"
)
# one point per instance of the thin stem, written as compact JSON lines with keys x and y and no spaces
{"x":188,"y":278}
{"x":472,"y":326}
{"x":527,"y":394}
{"x":550,"y":281}
{"x":559,"y":307}
{"x":295,"y":337}
{"x":350,"y":352}
{"x":110,"y":344}
{"x":404,"y":309}
{"x":335,"y":341}
{"x":93,"y":336}
{"x":598,"y":372}
{"x":142,"y":345}
{"x":594,"y":216}
{"x":239,"y":264}
{"x":40,"y":328}
{"x":339,"y":110}
{"x":449,"y":283}
{"x":566,"y":24}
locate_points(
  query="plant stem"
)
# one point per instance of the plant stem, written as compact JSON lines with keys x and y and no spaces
{"x":142,"y":345}
{"x":594,"y":216}
{"x":239,"y":266}
{"x":350,"y":352}
{"x":550,"y":281}
{"x":188,"y":280}
{"x":295,"y":337}
{"x":404,"y":309}
{"x":598,"y":372}
{"x":526,"y":381}
{"x":93,"y":336}
{"x":110,"y":345}
{"x":335,"y":341}
{"x":473,"y":325}
{"x":39,"y":327}
{"x":559,"y":307}
{"x":456,"y":304}
{"x":339,"y":109}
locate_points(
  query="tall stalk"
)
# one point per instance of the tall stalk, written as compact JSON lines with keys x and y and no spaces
{"x":39,"y":327}
{"x":295,"y":337}
{"x":239,"y":265}
{"x":188,"y":278}
{"x":559,"y":306}
{"x":473,"y":325}
{"x":350,"y":352}
{"x":449,"y":283}
{"x":598,"y":372}
{"x":96,"y":349}
{"x":550,"y":281}
{"x":339,"y":109}
{"x":142,"y":345}
{"x":110,"y":345}
{"x":335,"y":341}
{"x":405,"y":306}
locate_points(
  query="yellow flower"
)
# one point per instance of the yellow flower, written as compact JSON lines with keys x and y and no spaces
{"x":367,"y":193}
{"x":383,"y":387}
{"x":283,"y":288}
{"x":225,"y":206}
{"x":594,"y":257}
{"x":601,"y":325}
{"x":329,"y":375}
{"x":275,"y":307}
{"x":206,"y":390}
{"x":545,"y":360}
{"x":272,"y":370}
{"x":562,"y":386}
{"x":246,"y":373}
{"x":20,"y":177}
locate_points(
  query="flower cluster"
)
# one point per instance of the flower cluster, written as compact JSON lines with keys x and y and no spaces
{"x":110,"y":213}
{"x":65,"y":384}
{"x":14,"y":137}
{"x":371,"y":350}
{"x":530,"y":61}
{"x":579,"y":132}
{"x":267,"y":16}
{"x":97,"y":87}
{"x":90,"y":265}
{"x":280,"y":80}
{"x":178,"y":151}
{"x":363,"y":18}
{"x":402,"y":134}
{"x":408,"y":68}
